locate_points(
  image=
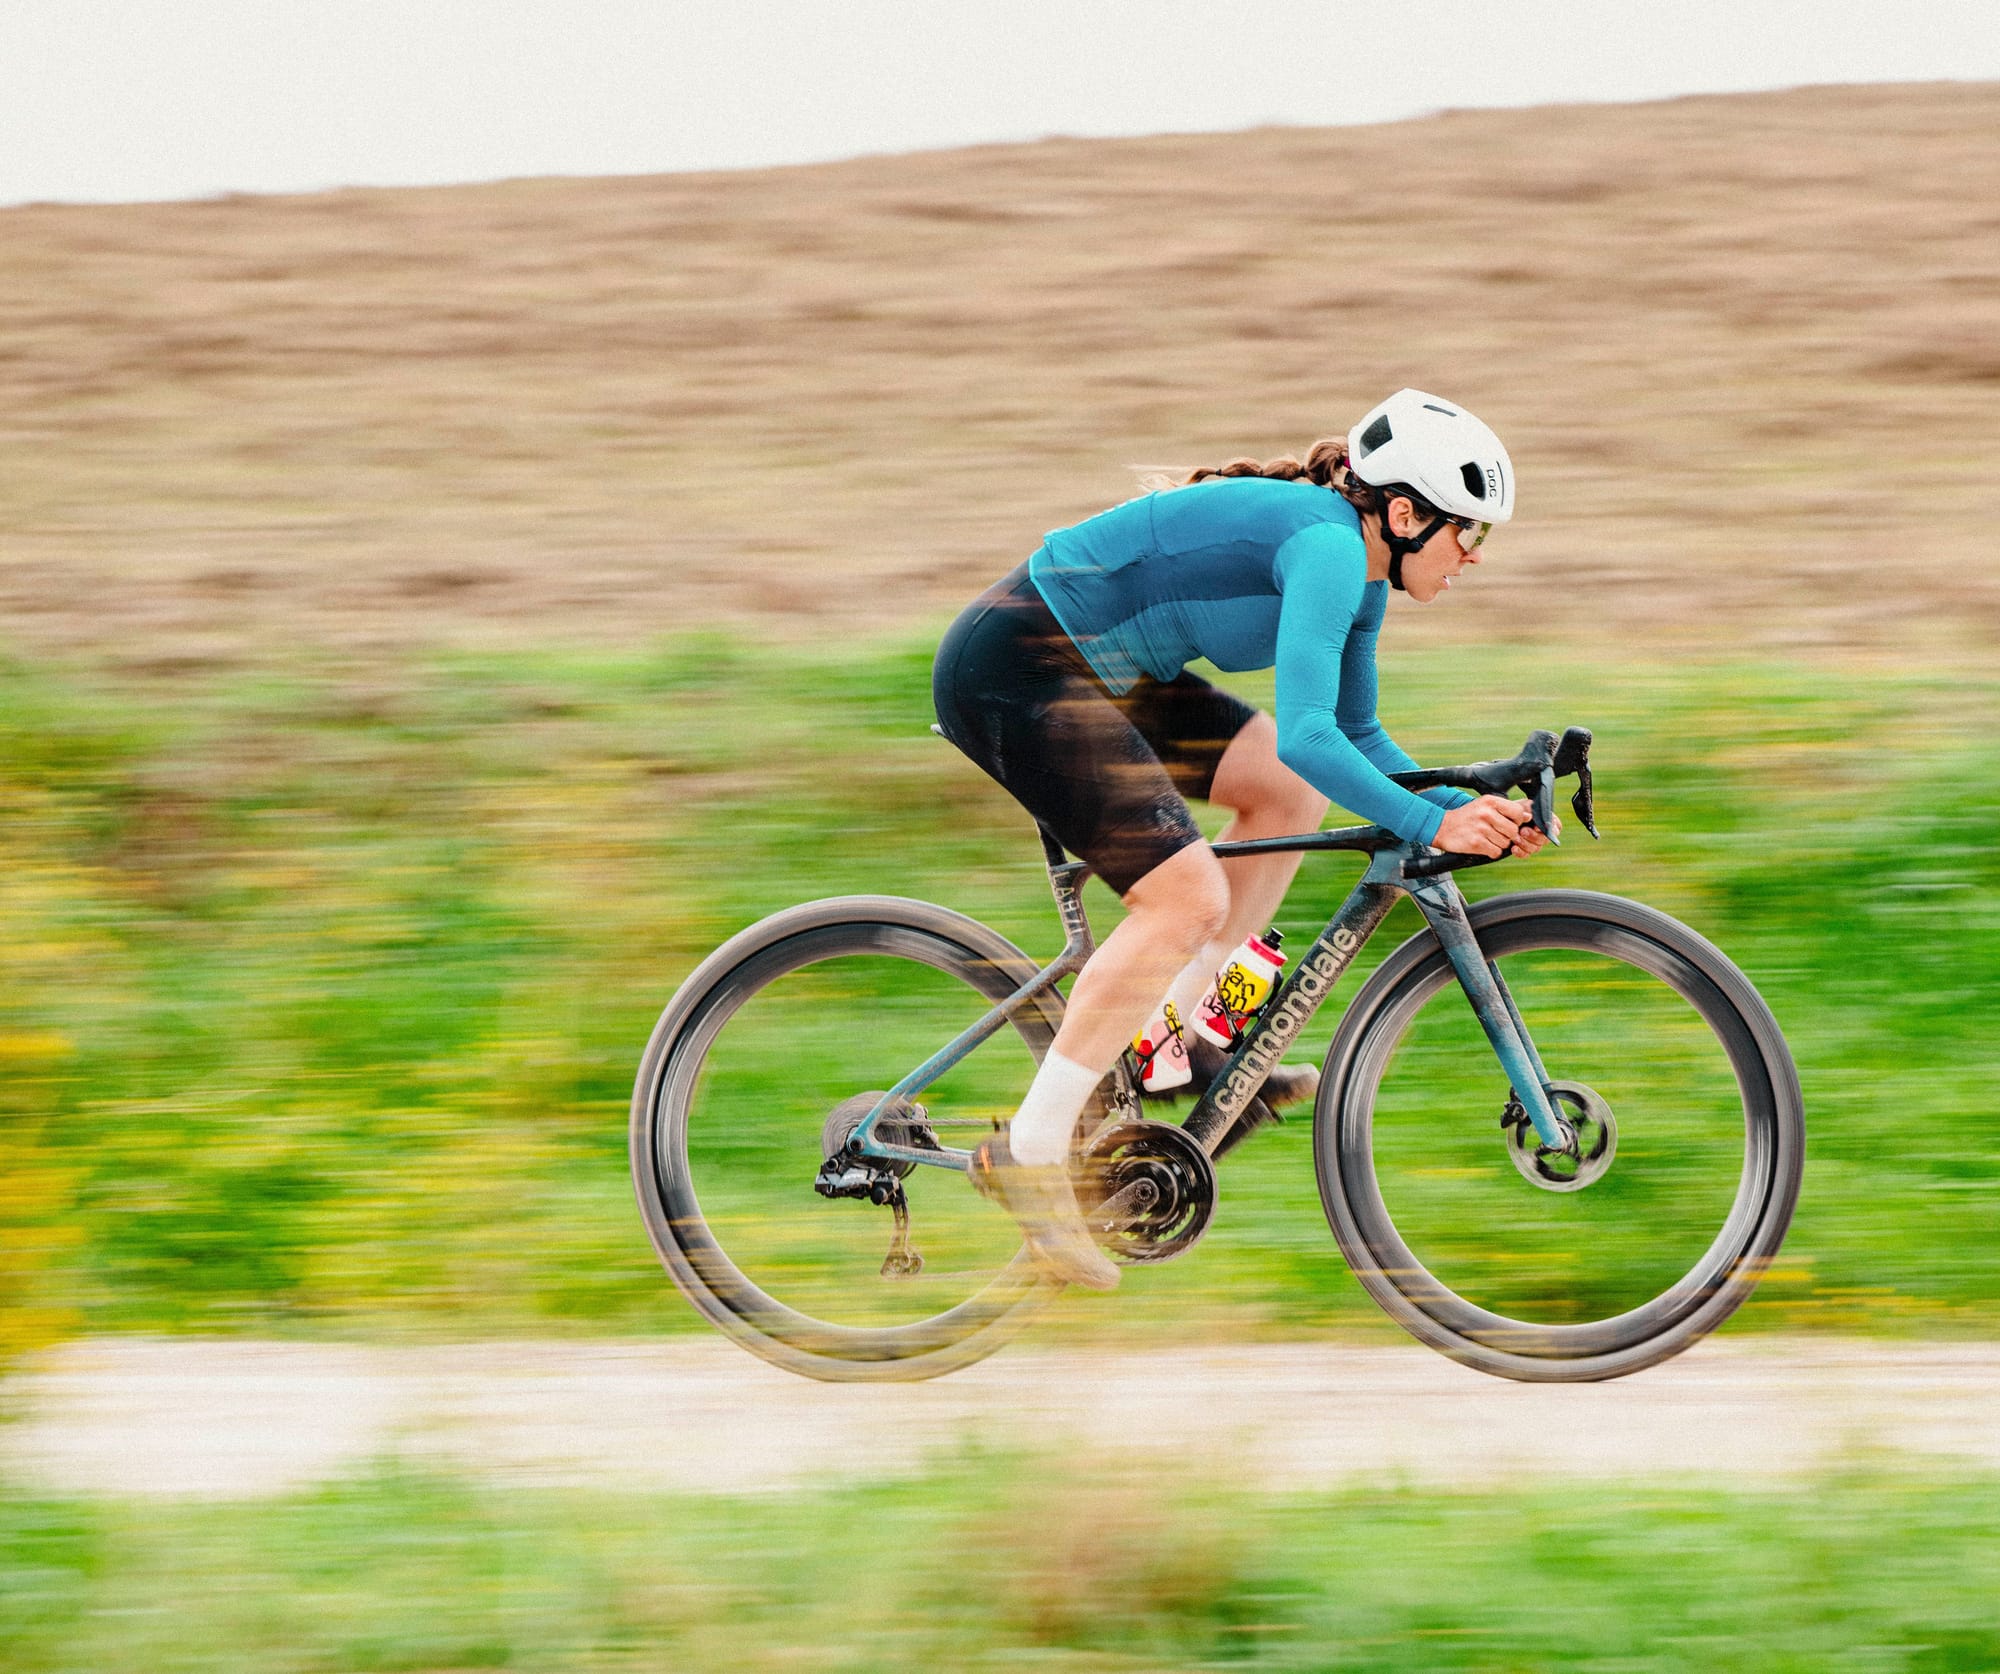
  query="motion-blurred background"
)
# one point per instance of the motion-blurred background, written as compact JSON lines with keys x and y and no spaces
{"x":431,"y":619}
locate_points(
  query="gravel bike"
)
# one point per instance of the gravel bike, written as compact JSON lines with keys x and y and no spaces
{"x":1558,"y":1135}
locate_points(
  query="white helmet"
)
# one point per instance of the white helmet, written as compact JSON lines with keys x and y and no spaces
{"x":1447,"y":456}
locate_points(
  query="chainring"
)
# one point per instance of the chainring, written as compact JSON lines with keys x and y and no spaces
{"x":1146,"y":1189}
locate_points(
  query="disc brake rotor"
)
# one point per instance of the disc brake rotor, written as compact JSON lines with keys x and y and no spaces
{"x":1587,"y":1122}
{"x":902,"y":1123}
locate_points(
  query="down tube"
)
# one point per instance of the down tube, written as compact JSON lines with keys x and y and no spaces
{"x":1278,"y":1024}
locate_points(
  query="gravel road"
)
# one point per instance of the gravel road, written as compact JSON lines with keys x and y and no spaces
{"x":235,"y":1419}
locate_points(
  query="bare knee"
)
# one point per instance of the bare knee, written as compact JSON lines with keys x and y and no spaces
{"x":1187,"y":896}
{"x":1264,"y":793}
{"x":1291,"y":806}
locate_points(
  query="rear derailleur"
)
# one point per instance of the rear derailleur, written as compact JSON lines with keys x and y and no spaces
{"x":846,"y":1173}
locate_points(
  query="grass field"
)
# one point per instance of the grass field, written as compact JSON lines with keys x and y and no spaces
{"x":323,"y":999}
{"x":995,"y":1564}
{"x":430,"y":620}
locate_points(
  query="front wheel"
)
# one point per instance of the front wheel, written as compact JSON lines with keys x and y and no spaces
{"x":757,"y":1070}
{"x":1548,"y":1268}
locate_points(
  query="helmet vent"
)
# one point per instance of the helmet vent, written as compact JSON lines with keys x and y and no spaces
{"x":1433,"y":407}
{"x":1375,"y":436}
{"x":1474,"y":479}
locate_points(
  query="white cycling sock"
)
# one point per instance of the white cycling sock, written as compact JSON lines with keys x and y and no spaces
{"x":1047,"y":1117}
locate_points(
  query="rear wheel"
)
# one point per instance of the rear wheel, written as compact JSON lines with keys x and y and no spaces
{"x":1691,"y":1137}
{"x":756,"y":1069}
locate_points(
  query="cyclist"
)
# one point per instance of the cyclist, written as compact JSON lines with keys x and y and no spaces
{"x":1066,"y":681}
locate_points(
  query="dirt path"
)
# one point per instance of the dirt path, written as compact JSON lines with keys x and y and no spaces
{"x":227,"y":1419}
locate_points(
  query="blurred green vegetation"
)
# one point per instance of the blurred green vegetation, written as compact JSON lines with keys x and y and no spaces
{"x":322,"y":988}
{"x":1074,"y":1569}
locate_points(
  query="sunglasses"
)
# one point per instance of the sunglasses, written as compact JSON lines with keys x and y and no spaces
{"x":1471,"y":536}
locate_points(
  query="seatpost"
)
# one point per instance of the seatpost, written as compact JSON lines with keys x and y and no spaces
{"x":1066,"y":880}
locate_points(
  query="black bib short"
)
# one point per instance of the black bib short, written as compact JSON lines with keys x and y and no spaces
{"x":1109,"y":775}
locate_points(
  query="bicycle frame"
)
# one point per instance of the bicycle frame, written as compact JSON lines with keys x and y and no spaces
{"x":1394,"y":867}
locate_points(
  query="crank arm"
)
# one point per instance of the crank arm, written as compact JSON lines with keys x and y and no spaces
{"x":1112,"y":1213}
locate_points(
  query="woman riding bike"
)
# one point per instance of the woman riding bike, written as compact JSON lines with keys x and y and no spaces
{"x":1066,"y":681}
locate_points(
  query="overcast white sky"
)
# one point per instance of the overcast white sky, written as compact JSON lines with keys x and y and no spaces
{"x":108,"y":100}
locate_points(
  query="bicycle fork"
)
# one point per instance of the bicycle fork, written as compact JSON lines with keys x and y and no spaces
{"x":1443,"y":906}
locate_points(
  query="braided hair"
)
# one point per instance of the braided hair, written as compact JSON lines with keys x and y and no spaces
{"x":1325,"y":463}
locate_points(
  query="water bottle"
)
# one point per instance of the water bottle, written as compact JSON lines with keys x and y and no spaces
{"x":1241,"y":986}
{"x":1161,"y":1052}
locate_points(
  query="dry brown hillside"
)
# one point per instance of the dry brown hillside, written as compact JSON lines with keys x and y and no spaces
{"x":1746,"y":351}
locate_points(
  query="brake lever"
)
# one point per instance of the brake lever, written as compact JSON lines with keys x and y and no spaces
{"x":1536,"y":776}
{"x":1573,"y":756}
{"x":1542,"y":806}
{"x":1583,"y":804}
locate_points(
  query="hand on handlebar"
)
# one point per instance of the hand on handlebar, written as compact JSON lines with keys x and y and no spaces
{"x":1491,"y":826}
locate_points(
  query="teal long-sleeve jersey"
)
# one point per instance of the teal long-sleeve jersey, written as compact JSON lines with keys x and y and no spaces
{"x":1250,"y":573}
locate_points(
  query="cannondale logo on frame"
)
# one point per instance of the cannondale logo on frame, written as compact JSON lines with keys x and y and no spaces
{"x":1316,"y":975}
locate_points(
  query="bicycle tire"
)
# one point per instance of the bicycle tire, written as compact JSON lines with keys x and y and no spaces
{"x":861,"y":926}
{"x":1713,"y":1287}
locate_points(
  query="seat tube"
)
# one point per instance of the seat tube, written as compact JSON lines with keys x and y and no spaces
{"x":1443,"y":907}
